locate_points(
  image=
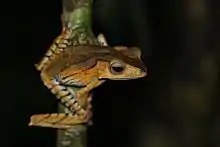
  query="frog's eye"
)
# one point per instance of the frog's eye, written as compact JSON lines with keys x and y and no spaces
{"x":117,"y":67}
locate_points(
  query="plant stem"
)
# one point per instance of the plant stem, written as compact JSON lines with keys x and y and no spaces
{"x":78,"y":14}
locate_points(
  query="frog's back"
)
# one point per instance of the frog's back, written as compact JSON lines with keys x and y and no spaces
{"x":85,"y":56}
{"x":76,"y":57}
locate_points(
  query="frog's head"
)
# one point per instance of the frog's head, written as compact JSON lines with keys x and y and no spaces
{"x":126,"y":64}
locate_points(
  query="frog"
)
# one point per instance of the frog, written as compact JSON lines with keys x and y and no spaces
{"x":86,"y":67}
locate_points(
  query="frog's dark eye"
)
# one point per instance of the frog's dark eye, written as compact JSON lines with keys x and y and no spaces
{"x":117,"y":67}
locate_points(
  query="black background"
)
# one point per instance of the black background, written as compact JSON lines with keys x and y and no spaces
{"x":171,"y":43}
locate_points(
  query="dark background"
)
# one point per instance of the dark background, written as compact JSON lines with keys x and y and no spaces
{"x":177,"y":105}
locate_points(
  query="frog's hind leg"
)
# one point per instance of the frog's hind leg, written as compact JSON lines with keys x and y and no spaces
{"x":64,"y":94}
{"x":55,"y":120}
{"x":59,"y":44}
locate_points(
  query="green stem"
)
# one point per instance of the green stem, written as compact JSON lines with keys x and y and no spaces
{"x":74,"y":141}
{"x":78,"y":14}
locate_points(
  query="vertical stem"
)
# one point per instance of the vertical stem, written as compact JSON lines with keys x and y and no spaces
{"x":78,"y":14}
{"x":76,"y":141}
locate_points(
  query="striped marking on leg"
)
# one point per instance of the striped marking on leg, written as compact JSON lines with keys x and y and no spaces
{"x":59,"y":44}
{"x":66,"y":96}
{"x":54,"y":120}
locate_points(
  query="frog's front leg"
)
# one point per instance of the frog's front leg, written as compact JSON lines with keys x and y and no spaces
{"x":95,"y":82}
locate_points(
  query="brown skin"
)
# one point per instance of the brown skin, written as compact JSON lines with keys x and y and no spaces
{"x":59,"y":44}
{"x":89,"y":66}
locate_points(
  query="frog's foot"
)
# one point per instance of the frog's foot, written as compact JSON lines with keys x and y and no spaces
{"x":56,"y":120}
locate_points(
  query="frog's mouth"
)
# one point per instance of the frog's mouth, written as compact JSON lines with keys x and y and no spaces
{"x":118,"y":79}
{"x":133,"y":78}
{"x":115,"y":79}
{"x":121,"y":79}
